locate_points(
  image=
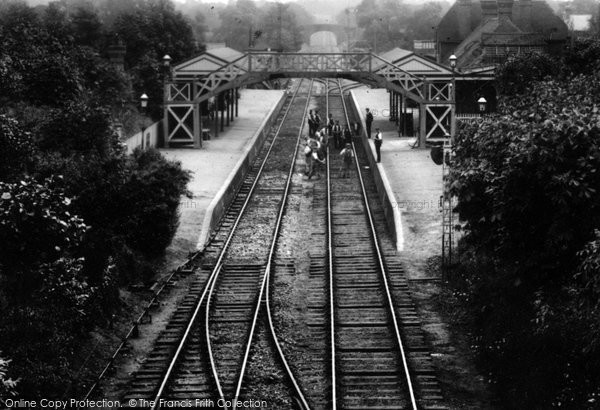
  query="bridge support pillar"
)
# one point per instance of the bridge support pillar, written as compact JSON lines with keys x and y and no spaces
{"x":237,"y":97}
{"x":391,"y":104}
{"x":216,"y":120}
{"x":422,"y":125}
{"x":197,"y":127}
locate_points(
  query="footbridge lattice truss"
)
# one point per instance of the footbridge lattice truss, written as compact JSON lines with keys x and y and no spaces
{"x":188,"y":88}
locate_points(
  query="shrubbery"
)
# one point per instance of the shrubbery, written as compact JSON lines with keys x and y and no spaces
{"x":528,"y":184}
{"x":154,"y":188}
{"x":45,"y":292}
{"x":16,"y":148}
{"x":68,"y":242}
{"x":7,"y":385}
{"x":78,"y":216}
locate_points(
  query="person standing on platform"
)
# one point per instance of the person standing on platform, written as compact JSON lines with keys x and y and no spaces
{"x":369,"y":121}
{"x":378,"y":142}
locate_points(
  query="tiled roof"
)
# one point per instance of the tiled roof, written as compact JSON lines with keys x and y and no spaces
{"x":544,"y":21}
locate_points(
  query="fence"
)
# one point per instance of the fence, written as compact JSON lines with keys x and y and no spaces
{"x":466,"y":117}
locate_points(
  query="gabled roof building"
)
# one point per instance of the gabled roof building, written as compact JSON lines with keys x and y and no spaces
{"x":483,"y":33}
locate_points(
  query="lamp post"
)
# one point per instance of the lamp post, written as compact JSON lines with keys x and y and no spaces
{"x":452,"y":96}
{"x":143,"y":105}
{"x":446,"y":198}
{"x":166,"y":60}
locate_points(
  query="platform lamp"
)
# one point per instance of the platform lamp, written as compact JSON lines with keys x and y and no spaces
{"x":144,"y":105}
{"x":166,"y":61}
{"x":452,"y":59}
{"x":482,"y":104}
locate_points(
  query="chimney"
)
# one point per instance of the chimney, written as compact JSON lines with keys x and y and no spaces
{"x":489,"y":10}
{"x":525,"y":8}
{"x":463,"y":17}
{"x":505,"y":9}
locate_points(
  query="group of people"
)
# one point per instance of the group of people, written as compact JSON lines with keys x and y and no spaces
{"x":318,"y":141}
{"x":319,"y":138}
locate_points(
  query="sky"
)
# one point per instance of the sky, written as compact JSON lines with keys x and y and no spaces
{"x":300,"y":1}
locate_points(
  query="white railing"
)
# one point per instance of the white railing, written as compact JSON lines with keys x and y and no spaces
{"x":468,"y":117}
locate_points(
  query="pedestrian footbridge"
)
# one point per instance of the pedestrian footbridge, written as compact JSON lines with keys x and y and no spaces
{"x":212,"y":79}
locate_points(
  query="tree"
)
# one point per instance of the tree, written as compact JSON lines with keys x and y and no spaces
{"x":16,"y":149}
{"x":582,"y":57}
{"x":528,"y":186}
{"x":237,"y":23}
{"x":37,"y":226}
{"x":383,"y":23}
{"x":281,"y":29}
{"x":73,"y":203}
{"x":86,"y":27}
{"x":79,"y":127}
{"x":423,"y":22}
{"x":149,"y":33}
{"x":154,"y":31}
{"x":518,"y":74}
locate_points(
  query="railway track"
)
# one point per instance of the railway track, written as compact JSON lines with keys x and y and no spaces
{"x":352,"y":342}
{"x":359,"y":344}
{"x":380,"y":360}
{"x":204,"y":351}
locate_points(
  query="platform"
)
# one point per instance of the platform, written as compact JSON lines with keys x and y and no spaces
{"x":212,"y":167}
{"x":415,"y":181}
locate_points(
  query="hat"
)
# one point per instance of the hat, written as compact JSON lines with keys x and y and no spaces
{"x":348,"y":145}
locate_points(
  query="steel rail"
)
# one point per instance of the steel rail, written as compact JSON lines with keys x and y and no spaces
{"x":265,"y":284}
{"x":331,"y":295}
{"x":210,"y":285}
{"x":136,"y":324}
{"x":382,"y":268}
{"x":207,"y":321}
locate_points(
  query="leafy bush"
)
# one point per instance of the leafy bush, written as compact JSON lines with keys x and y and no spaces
{"x":528,"y":184}
{"x":16,"y":149}
{"x":69,"y":243}
{"x":7,"y":385}
{"x":44,"y":290}
{"x":79,"y":127}
{"x":154,"y":190}
{"x":518,"y":74}
{"x":582,"y":57}
{"x":37,"y":226}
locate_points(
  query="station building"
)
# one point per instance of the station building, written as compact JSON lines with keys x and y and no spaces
{"x":483,"y":33}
